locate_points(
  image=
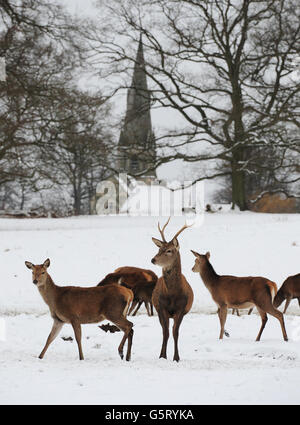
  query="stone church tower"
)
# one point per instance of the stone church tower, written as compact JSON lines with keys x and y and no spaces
{"x":137,"y":143}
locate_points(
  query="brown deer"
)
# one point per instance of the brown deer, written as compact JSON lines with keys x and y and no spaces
{"x":77,"y":306}
{"x":238,"y":292}
{"x":172,"y":296}
{"x":289,"y":289}
{"x":140,"y":281}
{"x":142,"y":293}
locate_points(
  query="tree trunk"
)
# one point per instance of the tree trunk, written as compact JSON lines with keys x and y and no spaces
{"x":77,"y":200}
{"x":238,"y":189}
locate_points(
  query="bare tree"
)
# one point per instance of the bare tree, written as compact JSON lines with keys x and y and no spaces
{"x":42,"y":51}
{"x":226,"y":67}
{"x":76,"y":147}
{"x":44,"y":116}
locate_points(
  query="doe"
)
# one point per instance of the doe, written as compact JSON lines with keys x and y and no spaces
{"x":76,"y":305}
{"x":238,"y":292}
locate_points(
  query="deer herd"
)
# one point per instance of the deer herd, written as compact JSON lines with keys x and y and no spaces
{"x":127,"y":288}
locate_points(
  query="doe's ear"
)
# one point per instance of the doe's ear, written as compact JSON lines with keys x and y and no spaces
{"x":28,"y":264}
{"x":158,"y":242}
{"x":46,"y":263}
{"x":195,"y":253}
{"x":208,"y":255}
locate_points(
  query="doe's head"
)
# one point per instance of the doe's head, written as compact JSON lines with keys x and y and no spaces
{"x":39,"y":272}
{"x":168,"y":251}
{"x":200,"y":261}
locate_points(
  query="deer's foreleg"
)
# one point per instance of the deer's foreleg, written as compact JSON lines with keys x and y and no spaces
{"x":177,"y":321}
{"x":164,"y":321}
{"x":56,"y":327}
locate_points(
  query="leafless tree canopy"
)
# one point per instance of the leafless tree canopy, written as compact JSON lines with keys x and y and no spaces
{"x":227,"y":68}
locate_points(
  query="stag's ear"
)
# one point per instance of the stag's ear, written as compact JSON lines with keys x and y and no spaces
{"x":46,"y":263}
{"x":175,"y":243}
{"x":195,"y":253}
{"x":28,"y":264}
{"x":208,"y":255}
{"x":158,"y":242}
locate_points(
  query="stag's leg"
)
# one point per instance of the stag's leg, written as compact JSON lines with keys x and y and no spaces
{"x":177,"y":321}
{"x":126,"y":327}
{"x":151,"y":306}
{"x":250,"y":311}
{"x":287,"y":303}
{"x":299,"y":301}
{"x":222,"y":312}
{"x":164,"y":321}
{"x":56,"y":327}
{"x":264,"y":319}
{"x":77,"y":331}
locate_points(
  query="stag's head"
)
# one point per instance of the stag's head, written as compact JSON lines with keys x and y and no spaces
{"x":39,"y":272}
{"x":168,"y":251}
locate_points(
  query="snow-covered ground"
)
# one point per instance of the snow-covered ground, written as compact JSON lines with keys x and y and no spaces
{"x":83,"y":250}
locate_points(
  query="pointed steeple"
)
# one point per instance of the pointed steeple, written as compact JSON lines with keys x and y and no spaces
{"x":136,"y":143}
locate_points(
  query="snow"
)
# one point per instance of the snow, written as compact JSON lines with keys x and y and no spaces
{"x":82,"y":250}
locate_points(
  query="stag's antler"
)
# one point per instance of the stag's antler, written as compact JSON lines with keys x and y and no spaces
{"x":182,"y":229}
{"x":161,"y":231}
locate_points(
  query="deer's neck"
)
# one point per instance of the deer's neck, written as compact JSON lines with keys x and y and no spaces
{"x":48,"y":291}
{"x":172,"y":275}
{"x":208,"y":275}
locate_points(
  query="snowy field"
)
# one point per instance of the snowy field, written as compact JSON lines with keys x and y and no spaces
{"x":83,"y":250}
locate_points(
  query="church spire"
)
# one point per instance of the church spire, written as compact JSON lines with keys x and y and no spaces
{"x":136,"y":143}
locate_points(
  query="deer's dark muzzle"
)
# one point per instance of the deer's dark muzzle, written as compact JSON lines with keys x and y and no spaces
{"x":153,"y":261}
{"x":35,"y":281}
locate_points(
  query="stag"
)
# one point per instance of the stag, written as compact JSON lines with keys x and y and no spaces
{"x":172,"y":296}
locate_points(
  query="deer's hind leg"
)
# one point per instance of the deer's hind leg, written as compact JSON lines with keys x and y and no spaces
{"x":56,"y":328}
{"x":133,"y":305}
{"x":137,"y":309}
{"x":147,"y":308}
{"x":118,"y":317}
{"x":287,"y":303}
{"x":276,"y":313}
{"x":125,"y":326}
{"x":264,"y":319}
{"x":77,"y":331}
